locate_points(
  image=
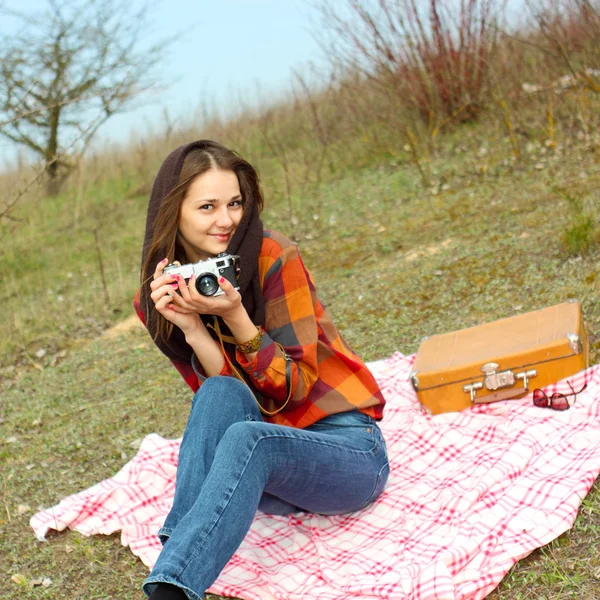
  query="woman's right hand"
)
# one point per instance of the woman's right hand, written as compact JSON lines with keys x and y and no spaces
{"x":164,"y":288}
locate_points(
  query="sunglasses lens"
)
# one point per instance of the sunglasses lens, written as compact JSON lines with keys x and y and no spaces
{"x":539,"y":398}
{"x":559,"y":402}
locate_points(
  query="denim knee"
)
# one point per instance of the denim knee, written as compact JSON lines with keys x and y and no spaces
{"x":243,"y":434}
{"x":224,"y":394}
{"x":220,"y":383}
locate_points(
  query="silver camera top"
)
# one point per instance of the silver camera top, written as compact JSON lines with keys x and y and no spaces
{"x":208,"y":271}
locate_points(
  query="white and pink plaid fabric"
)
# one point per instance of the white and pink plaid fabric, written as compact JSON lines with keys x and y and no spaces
{"x":469,"y":495}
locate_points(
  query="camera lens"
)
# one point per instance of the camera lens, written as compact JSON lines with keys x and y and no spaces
{"x":207,"y":284}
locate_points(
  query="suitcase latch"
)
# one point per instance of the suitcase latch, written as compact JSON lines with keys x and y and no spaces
{"x":494,"y":380}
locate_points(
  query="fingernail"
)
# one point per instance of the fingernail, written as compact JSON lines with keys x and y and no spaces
{"x":221,"y":279}
{"x":164,"y":260}
{"x":175,"y":285}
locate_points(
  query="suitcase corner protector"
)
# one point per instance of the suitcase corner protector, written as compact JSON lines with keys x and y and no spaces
{"x":575,"y":343}
{"x":414,"y":380}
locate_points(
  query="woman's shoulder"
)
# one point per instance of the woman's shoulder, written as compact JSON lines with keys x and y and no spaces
{"x":276,"y":251}
{"x":275,"y":243}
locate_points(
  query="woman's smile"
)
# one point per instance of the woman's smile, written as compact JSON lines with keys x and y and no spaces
{"x":221,"y":237}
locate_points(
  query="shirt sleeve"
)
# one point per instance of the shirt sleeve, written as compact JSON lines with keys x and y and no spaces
{"x":194,"y":374}
{"x":291,"y":322}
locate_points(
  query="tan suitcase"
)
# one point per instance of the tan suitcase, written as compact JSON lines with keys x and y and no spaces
{"x":501,"y":360}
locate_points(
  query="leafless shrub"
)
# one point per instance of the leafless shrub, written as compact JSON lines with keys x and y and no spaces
{"x":274,"y":135}
{"x":543,"y":75}
{"x":300,"y":134}
{"x":316,"y":124}
{"x":433,"y":60}
{"x":569,"y":30}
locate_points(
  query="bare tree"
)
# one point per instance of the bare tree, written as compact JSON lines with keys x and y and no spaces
{"x":69,"y":70}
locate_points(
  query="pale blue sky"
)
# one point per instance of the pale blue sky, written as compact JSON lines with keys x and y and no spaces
{"x":227,"y":48}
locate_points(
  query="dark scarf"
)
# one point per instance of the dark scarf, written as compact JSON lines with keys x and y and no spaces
{"x":246,"y":242}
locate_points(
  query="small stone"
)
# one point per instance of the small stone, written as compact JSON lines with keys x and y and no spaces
{"x":41,"y":353}
{"x":19,"y":579}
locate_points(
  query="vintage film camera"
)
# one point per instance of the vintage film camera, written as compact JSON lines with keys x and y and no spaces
{"x":208,"y":272}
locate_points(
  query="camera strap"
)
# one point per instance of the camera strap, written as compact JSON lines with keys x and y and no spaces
{"x":288,"y":366}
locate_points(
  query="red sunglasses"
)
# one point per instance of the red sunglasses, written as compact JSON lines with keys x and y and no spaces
{"x":556,"y":401}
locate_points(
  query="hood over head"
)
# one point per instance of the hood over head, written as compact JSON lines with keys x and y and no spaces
{"x":246,"y":242}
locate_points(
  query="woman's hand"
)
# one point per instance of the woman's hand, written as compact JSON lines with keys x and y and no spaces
{"x":189,"y":300}
{"x":164,"y":293}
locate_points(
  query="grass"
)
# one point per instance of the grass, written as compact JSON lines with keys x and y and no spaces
{"x":393,"y":262}
{"x":50,"y":269}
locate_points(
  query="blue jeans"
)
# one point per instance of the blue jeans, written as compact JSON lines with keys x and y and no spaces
{"x":232,"y":463}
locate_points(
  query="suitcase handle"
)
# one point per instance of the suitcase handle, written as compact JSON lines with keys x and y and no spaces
{"x":503,"y":395}
{"x":494,"y":380}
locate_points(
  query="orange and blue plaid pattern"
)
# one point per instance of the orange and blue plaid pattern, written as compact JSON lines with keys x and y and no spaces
{"x":327,"y":376}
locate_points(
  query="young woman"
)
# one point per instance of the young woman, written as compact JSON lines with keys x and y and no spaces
{"x":284,"y":413}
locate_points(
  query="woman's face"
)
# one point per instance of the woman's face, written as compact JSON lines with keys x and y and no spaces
{"x":209,"y":214}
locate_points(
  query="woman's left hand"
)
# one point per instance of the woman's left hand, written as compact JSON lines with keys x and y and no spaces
{"x":189,"y":300}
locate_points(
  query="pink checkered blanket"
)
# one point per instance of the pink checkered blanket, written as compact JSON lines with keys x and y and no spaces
{"x":469,"y":494}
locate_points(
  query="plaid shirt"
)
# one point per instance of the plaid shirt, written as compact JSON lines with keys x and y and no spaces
{"x":327,"y":377}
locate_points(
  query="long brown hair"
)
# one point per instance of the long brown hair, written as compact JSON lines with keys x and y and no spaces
{"x":162,"y":221}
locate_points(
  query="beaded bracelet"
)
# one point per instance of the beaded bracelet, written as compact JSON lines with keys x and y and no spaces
{"x":253,"y":345}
